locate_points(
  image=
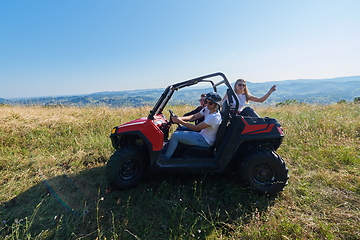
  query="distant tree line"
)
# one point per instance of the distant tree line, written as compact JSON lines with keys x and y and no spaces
{"x":296,"y":102}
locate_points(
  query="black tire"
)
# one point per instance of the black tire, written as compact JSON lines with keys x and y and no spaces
{"x":264,"y":171}
{"x":125,"y":168}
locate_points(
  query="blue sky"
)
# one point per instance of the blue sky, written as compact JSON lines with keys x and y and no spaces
{"x":52,"y":48}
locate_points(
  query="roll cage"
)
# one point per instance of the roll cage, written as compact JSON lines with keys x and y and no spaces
{"x":169,"y":91}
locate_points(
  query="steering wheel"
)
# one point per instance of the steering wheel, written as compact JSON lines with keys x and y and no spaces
{"x":172,"y":114}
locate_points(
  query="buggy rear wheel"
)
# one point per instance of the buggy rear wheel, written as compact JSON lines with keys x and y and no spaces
{"x":125,"y":168}
{"x":264,"y":171}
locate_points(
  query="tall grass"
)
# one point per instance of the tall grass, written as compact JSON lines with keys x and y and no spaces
{"x":53,"y":185}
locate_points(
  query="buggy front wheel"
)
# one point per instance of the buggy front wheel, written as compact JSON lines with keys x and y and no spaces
{"x":125,"y":168}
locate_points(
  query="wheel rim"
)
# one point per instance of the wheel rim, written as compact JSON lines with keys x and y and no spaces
{"x":263,"y":174}
{"x":128,"y":169}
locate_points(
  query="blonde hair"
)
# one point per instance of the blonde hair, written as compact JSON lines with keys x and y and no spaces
{"x":246,"y":91}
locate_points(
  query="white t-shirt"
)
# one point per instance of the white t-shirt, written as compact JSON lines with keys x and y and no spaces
{"x":242,"y":101}
{"x":212,"y":119}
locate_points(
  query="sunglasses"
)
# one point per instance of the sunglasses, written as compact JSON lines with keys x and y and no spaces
{"x":208,"y":102}
{"x":241,"y":85}
{"x":201,"y":100}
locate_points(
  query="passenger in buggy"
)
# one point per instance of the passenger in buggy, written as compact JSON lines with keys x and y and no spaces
{"x":244,"y":97}
{"x":193,"y":112}
{"x":208,"y":128}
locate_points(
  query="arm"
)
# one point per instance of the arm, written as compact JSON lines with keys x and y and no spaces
{"x":193,"y":112}
{"x":189,"y":118}
{"x":263,"y":98}
{"x":198,"y":127}
{"x":224,"y":98}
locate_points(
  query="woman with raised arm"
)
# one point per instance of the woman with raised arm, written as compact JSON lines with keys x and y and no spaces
{"x":244,"y":96}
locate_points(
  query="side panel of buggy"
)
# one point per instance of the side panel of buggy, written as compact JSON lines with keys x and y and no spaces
{"x":236,"y":135}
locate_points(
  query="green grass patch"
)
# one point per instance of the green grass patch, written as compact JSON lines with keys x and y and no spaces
{"x":52,"y":165}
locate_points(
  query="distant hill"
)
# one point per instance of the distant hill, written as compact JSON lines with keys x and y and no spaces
{"x":322,"y":91}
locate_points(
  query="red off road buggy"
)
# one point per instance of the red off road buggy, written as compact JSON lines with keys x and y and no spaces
{"x":247,"y":144}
